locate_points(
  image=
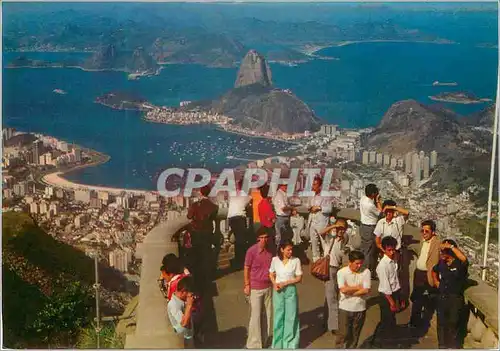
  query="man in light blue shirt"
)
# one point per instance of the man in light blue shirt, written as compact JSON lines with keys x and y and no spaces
{"x":180,"y":310}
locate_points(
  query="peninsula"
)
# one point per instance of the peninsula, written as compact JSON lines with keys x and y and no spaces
{"x":253,"y":107}
{"x":124,"y":101}
{"x":459,"y":97}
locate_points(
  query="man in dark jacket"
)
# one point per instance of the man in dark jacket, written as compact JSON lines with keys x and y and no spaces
{"x":202,"y":214}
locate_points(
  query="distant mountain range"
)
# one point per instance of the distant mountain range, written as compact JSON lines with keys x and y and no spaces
{"x":463,"y":144}
{"x":108,"y":57}
{"x":213,"y":40}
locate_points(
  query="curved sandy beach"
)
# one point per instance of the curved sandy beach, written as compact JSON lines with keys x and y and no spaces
{"x":55,"y":180}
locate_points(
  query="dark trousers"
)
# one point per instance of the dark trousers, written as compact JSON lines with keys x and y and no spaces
{"x":350,"y":325}
{"x":238,"y":225}
{"x":202,"y":266}
{"x":384,"y":332}
{"x":423,"y":298}
{"x":368,"y":247}
{"x":449,"y":311}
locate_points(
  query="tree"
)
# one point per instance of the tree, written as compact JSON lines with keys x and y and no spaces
{"x":63,"y":315}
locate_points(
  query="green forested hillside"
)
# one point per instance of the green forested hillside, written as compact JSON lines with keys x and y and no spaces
{"x":47,"y":287}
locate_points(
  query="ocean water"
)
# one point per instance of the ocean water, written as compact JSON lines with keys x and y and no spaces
{"x":353,"y":92}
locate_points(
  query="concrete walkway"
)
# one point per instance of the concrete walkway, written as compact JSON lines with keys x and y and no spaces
{"x":232,"y":313}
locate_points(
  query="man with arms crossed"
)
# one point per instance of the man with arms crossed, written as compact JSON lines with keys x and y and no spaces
{"x":370,"y":208}
{"x":354,"y":285}
{"x":258,"y":287}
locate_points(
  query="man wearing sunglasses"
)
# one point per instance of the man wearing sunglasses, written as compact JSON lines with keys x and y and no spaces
{"x":424,"y":293}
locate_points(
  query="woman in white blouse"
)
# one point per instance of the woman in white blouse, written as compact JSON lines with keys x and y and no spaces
{"x":285,"y":273}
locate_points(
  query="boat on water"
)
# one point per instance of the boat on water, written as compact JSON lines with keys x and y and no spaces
{"x":59,"y":91}
{"x":441,"y":84}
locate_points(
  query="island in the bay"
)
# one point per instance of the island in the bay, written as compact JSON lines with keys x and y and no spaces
{"x":459,"y":97}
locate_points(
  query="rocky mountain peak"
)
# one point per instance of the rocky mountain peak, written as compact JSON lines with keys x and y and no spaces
{"x":253,"y":70}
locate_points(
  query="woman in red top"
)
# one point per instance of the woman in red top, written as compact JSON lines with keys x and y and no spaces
{"x":266,"y":212}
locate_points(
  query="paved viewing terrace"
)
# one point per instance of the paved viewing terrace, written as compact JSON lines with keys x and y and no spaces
{"x":230,"y":322}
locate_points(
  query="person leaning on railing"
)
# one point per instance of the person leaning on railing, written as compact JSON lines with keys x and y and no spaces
{"x":450,"y":277}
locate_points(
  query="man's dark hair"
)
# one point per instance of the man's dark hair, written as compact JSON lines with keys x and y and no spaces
{"x":186,"y":284}
{"x":262,"y":231}
{"x":356,"y":255}
{"x":264,"y":190}
{"x":371,"y":190}
{"x":389,"y":203}
{"x":168,"y":258}
{"x":205,"y":190}
{"x":449,"y":251}
{"x":172,"y":264}
{"x":430,"y":223}
{"x":389,"y":241}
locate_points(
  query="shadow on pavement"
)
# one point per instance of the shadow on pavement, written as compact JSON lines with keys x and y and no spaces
{"x":234,"y":338}
{"x":312,"y":326}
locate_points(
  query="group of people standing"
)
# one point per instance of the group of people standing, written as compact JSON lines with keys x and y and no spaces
{"x":272,"y":272}
{"x":439,"y":279}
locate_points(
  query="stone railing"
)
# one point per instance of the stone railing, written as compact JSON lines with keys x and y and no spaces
{"x":153,"y":330}
{"x":482,"y":327}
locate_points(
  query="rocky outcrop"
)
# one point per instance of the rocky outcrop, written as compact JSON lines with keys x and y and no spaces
{"x":262,"y":108}
{"x":253,"y":70}
{"x":105,"y":58}
{"x":464,"y":151}
{"x":409,"y":125}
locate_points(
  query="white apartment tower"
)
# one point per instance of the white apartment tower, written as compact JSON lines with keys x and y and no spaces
{"x":433,"y":161}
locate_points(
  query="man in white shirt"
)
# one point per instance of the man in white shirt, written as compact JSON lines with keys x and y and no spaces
{"x":369,"y":208}
{"x":389,"y":289}
{"x":333,"y":240}
{"x":320,"y":209}
{"x":283,"y":210}
{"x":391,"y":225}
{"x":354,"y":285}
{"x":237,"y":220}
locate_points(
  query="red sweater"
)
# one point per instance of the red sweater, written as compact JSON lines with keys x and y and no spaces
{"x":266,"y":213}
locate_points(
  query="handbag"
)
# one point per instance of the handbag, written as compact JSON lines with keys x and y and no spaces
{"x":321,"y":268}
